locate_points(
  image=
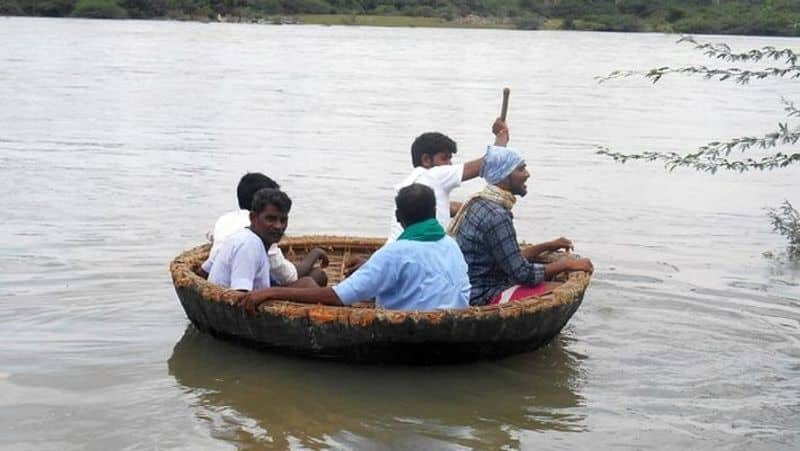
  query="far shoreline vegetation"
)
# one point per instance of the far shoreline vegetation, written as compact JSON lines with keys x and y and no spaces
{"x":744,"y":17}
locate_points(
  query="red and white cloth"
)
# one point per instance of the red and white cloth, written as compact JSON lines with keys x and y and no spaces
{"x":519,"y":292}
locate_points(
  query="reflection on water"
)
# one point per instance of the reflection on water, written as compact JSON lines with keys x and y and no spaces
{"x":251,"y":397}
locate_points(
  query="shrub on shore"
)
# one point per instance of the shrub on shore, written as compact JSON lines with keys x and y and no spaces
{"x":529,"y":22}
{"x":10,"y":8}
{"x":99,"y":9}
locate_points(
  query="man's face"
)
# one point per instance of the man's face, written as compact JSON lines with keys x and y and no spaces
{"x":517,"y":180}
{"x":443,"y":158}
{"x":269,"y":224}
{"x":438,"y":159}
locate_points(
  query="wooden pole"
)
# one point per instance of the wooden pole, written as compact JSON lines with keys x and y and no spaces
{"x":504,"y":109}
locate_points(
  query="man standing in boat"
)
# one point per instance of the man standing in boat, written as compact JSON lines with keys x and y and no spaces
{"x":422,"y":270}
{"x":499,"y":271}
{"x":241,"y":262}
{"x":282,"y":271}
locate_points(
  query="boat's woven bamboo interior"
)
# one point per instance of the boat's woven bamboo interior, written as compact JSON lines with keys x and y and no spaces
{"x":184,"y":271}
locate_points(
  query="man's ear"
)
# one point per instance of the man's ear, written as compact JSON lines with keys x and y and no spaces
{"x":426,"y":160}
{"x":505,"y":183}
{"x":252,"y":216}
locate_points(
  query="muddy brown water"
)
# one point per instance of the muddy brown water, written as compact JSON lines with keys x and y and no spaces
{"x":122,"y":141}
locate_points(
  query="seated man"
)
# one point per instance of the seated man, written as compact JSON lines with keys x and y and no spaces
{"x":282,"y":271}
{"x":241,"y":261}
{"x":432,"y":158}
{"x":422,"y":270}
{"x":498,"y":270}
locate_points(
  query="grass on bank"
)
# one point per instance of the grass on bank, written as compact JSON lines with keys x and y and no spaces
{"x":397,"y":21}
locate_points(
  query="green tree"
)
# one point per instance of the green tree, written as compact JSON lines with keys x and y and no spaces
{"x":10,"y":8}
{"x":735,"y":154}
{"x":139,"y":9}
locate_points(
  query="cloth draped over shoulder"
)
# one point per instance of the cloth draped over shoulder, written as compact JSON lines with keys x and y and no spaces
{"x":491,"y":193}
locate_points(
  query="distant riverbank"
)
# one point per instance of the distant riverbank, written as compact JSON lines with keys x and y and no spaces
{"x":369,"y":21}
{"x":743,"y":17}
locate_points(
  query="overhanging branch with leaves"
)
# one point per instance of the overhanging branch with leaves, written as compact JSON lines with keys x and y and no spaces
{"x":717,"y":155}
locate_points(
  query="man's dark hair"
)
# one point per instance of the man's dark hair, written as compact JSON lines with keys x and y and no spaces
{"x":249,"y":184}
{"x":415,"y":203}
{"x":271,"y":196}
{"x":430,"y":143}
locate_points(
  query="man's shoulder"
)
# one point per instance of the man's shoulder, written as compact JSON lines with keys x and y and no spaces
{"x":244,"y":238}
{"x":451,"y":250}
{"x":446,"y":170}
{"x":491,"y":205}
{"x":489,"y":212}
{"x":233,"y":216}
{"x":395,"y":248}
{"x":412,"y":177}
{"x":406,"y":250}
{"x":230,"y":223}
{"x":449,"y":242}
{"x":436,"y":176}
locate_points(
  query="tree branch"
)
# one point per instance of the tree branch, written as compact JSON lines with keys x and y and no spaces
{"x":722,"y":52}
{"x":789,"y":107}
{"x":714,"y":155}
{"x":741,"y":76}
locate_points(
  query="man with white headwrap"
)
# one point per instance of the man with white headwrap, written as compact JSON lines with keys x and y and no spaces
{"x":499,"y":270}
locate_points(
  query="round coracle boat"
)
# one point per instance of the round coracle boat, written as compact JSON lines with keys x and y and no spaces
{"x":363,"y":333}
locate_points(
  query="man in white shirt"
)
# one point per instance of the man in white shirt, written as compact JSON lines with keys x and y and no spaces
{"x":241,"y":261}
{"x":282,"y":271}
{"x":432,"y":158}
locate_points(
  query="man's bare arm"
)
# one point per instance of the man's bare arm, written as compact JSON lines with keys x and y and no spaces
{"x":565,"y":265}
{"x":252,"y":300}
{"x":454,"y":207}
{"x":307,"y":264}
{"x":532,"y":252}
{"x":472,"y":169}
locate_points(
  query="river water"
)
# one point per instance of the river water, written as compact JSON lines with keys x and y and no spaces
{"x":122,"y":141}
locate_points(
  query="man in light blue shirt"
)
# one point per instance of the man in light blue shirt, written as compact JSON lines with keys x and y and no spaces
{"x":423,"y":270}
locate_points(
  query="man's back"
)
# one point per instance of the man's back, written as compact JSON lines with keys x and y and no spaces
{"x":411,"y":275}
